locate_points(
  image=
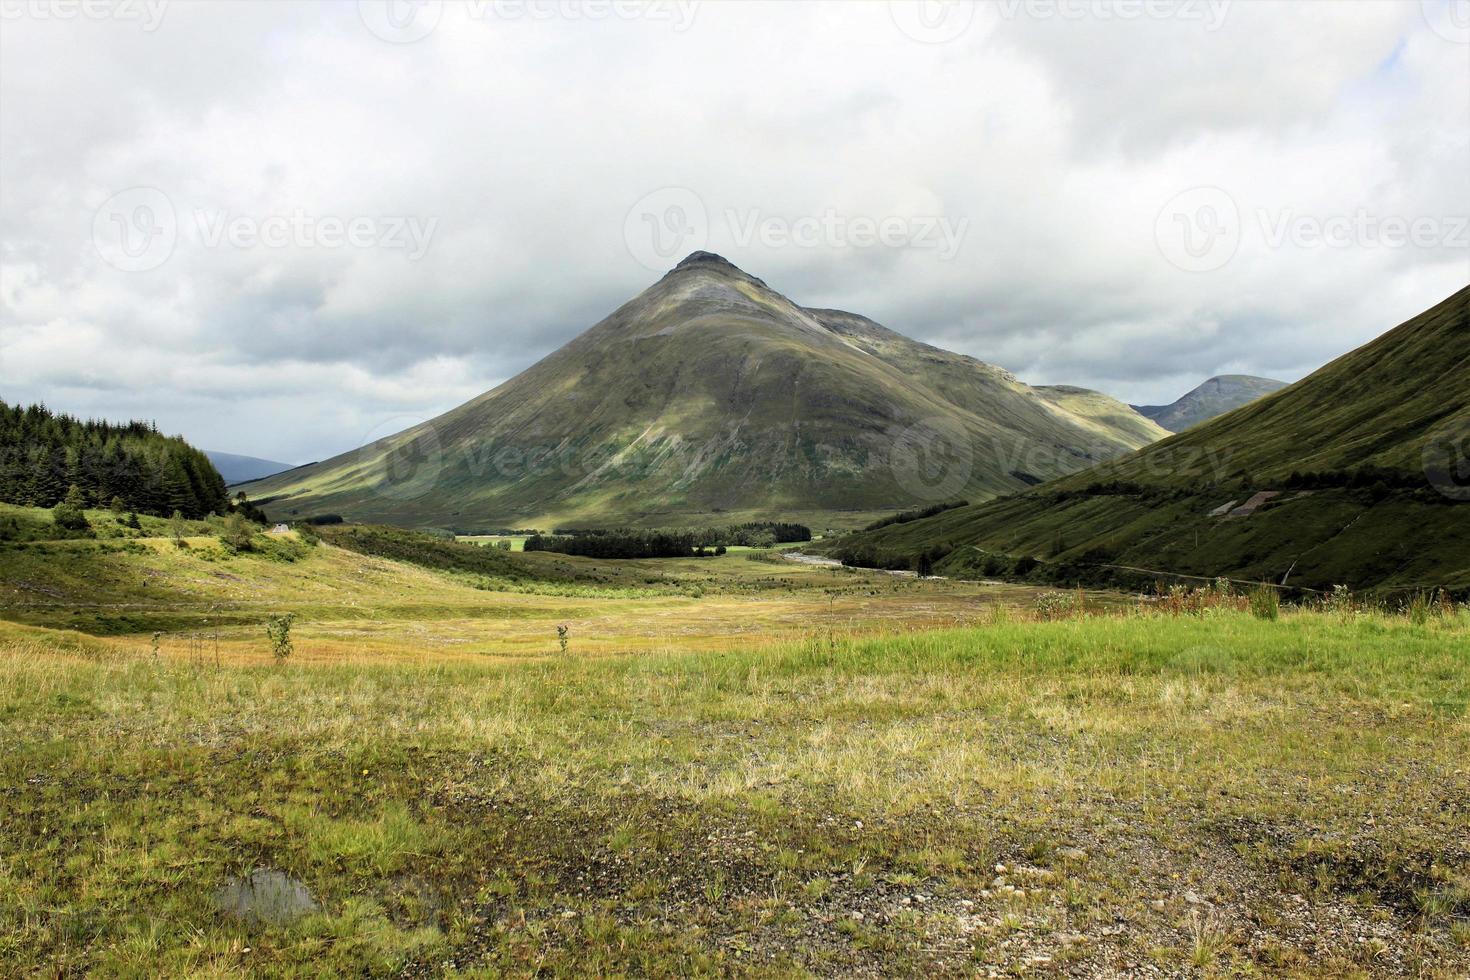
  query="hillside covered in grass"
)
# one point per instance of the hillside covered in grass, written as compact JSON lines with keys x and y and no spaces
{"x":1356,"y":475}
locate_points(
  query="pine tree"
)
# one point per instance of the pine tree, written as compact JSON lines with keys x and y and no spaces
{"x":42,"y":454}
{"x":68,"y":515}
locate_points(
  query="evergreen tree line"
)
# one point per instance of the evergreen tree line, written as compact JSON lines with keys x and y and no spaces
{"x":43,"y":454}
{"x":665,"y":543}
{"x":621,"y":543}
{"x":908,"y":516}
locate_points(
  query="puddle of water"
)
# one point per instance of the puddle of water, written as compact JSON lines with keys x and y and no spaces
{"x":265,"y":895}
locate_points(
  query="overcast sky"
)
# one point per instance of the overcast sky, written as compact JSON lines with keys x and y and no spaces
{"x":286,"y":229}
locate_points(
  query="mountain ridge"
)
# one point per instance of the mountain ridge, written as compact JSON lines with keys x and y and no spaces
{"x":1210,"y":399}
{"x":236,"y":468}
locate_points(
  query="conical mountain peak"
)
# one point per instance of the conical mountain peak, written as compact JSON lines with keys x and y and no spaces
{"x":707,"y":260}
{"x":707,"y":398}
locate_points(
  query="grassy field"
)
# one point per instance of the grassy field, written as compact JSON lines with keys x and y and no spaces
{"x":350,"y":605}
{"x":738,"y":766}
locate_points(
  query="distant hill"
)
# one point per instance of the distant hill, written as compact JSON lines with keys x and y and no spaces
{"x":1357,"y":475}
{"x":240,"y":469}
{"x":1106,"y":413}
{"x":710,"y":398}
{"x":1213,"y":398}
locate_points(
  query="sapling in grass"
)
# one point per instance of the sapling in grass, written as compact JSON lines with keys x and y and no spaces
{"x":278,"y":630}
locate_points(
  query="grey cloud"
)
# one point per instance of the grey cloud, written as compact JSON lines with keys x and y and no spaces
{"x":527,"y":142}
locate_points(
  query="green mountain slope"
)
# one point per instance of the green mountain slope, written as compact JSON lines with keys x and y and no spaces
{"x":1106,"y":413}
{"x":1210,"y":400}
{"x":1356,"y":475}
{"x":710,"y":398}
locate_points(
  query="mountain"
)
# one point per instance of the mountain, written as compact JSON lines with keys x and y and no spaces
{"x":1213,"y":398}
{"x":709,"y":398}
{"x":243,"y":469}
{"x":1357,"y":475}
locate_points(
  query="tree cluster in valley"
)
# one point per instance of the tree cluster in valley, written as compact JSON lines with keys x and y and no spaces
{"x":666,"y":543}
{"x":44,"y":454}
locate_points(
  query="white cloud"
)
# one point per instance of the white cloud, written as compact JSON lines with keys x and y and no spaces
{"x":526,"y":140}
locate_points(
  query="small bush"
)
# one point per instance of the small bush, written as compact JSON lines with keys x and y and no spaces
{"x":1419,"y":609}
{"x":1056,"y":605}
{"x":1340,"y":600}
{"x":177,"y":528}
{"x":278,"y":631}
{"x":237,"y":533}
{"x":67,"y":515}
{"x":1265,"y":603}
{"x":1181,"y":600}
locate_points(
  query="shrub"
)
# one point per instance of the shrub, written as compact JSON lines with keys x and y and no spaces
{"x":1056,"y":605}
{"x":237,"y":533}
{"x":177,"y":528}
{"x":278,"y":631}
{"x":1418,"y":609}
{"x":1340,"y":600}
{"x":1265,"y":603}
{"x":1219,"y":594}
{"x":67,"y":515}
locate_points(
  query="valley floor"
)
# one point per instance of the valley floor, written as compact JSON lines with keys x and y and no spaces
{"x":738,"y":766}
